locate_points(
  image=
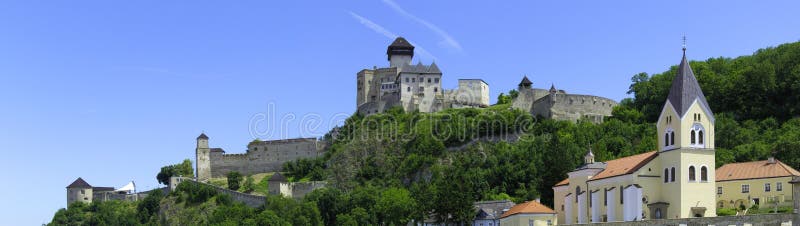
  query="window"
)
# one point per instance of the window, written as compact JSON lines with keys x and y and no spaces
{"x":704,"y":174}
{"x":429,"y":80}
{"x":549,"y":222}
{"x":406,"y":79}
{"x":435,"y":89}
{"x":408,"y":89}
{"x":700,"y":137}
{"x":666,"y":175}
{"x":577,"y":192}
{"x":719,"y":190}
{"x":779,"y":186}
{"x":83,"y":192}
{"x":745,"y":188}
{"x":436,"y":80}
{"x":672,"y":138}
{"x":530,"y":222}
{"x":666,"y":139}
{"x":692,"y":137}
{"x":620,"y":196}
{"x":422,"y":89}
{"x":692,"y":174}
{"x":605,"y":197}
{"x":658,"y":213}
{"x":767,"y":187}
{"x":672,"y":174}
{"x":413,"y":79}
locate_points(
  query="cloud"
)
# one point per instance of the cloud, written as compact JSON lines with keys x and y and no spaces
{"x":390,"y":35}
{"x":448,"y":41}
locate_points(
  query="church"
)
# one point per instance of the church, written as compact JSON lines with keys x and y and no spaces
{"x":675,"y":181}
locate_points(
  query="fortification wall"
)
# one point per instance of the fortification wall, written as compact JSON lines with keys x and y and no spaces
{"x":248,"y":199}
{"x":761,"y":219}
{"x":527,"y":97}
{"x":573,"y":107}
{"x":300,"y":189}
{"x":265,"y":156}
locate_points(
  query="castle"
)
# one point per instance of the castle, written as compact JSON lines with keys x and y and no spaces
{"x":419,"y":88}
{"x":413,"y":87}
{"x":559,"y":105}
{"x":260,"y":157}
{"x":80,"y":191}
{"x":675,"y":181}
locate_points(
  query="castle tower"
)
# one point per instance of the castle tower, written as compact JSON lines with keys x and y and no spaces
{"x":524,"y":84}
{"x":203,"y":158}
{"x":400,"y":52}
{"x":686,"y":148}
{"x":79,"y":191}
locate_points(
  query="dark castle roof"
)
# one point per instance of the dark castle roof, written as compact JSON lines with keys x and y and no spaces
{"x":525,"y":82}
{"x":79,"y":183}
{"x":685,"y":89}
{"x":400,"y":46}
{"x":202,"y":136}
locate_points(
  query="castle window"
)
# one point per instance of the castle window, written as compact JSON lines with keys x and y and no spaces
{"x":704,"y":174}
{"x":745,"y":188}
{"x":778,"y":186}
{"x":692,"y":174}
{"x":666,"y":175}
{"x":413,"y":79}
{"x":422,"y":89}
{"x":672,"y":174}
{"x":767,"y":187}
{"x":435,"y":89}
{"x":406,"y":79}
{"x":83,"y":192}
{"x":436,"y":80}
{"x":409,"y":89}
{"x":429,"y":80}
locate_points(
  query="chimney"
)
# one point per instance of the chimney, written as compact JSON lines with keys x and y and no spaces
{"x":771,"y":160}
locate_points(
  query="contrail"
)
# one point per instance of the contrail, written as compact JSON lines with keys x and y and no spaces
{"x":448,"y":41}
{"x":383,"y":31}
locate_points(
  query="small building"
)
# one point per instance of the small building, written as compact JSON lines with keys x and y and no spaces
{"x":559,"y":105}
{"x":764,"y":183}
{"x":80,"y":191}
{"x":489,"y":212}
{"x":279,"y":185}
{"x":531,"y":213}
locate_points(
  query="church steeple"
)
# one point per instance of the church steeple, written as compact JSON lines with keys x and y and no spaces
{"x":685,"y":89}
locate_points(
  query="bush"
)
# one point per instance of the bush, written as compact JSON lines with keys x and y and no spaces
{"x":234,"y":179}
{"x":726,"y":212}
{"x":195,"y":193}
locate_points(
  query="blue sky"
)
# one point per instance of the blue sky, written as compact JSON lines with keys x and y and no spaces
{"x":111,"y":91}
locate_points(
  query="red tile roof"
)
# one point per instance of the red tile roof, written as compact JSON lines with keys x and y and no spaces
{"x":620,"y":166}
{"x":754,"y":170}
{"x":530,"y":207}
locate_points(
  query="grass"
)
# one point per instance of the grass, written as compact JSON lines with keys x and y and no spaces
{"x":259,"y":178}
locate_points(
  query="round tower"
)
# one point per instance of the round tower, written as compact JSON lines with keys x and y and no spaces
{"x":203,"y":158}
{"x":400,"y":52}
{"x":79,"y":191}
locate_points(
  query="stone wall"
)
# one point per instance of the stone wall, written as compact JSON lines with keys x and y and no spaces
{"x":572,"y":107}
{"x":755,"y":220}
{"x":248,"y":199}
{"x":265,"y":156}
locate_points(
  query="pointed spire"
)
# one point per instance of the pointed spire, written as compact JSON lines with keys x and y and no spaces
{"x":589,"y":157}
{"x":525,"y":82}
{"x":433,"y":68}
{"x":202,"y":136}
{"x":685,"y":89}
{"x":553,"y":88}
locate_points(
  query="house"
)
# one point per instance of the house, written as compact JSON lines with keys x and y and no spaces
{"x":764,"y":183}
{"x":489,"y":212}
{"x":531,"y":213}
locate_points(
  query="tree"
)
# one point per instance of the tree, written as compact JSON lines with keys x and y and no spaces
{"x":234,"y":179}
{"x":249,"y":184}
{"x":395,"y":206}
{"x":183,"y":169}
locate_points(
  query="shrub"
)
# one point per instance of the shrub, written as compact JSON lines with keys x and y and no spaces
{"x":726,"y":212}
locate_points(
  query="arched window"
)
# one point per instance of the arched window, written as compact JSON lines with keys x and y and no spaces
{"x":692,"y":174}
{"x":672,"y":138}
{"x":700,"y":137}
{"x":666,"y":139}
{"x":672,"y":174}
{"x":692,"y":138}
{"x":577,"y":192}
{"x":704,"y":174}
{"x":666,"y":175}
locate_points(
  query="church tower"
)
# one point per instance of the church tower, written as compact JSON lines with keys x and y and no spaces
{"x":686,"y":148}
{"x":400,"y":52}
{"x":203,"y":158}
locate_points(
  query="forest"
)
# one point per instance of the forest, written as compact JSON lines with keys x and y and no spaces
{"x":398,"y":167}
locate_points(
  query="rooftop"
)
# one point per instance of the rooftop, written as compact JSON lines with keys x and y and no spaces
{"x":617,"y":167}
{"x":754,"y":170}
{"x":79,"y":183}
{"x":530,"y":207}
{"x":685,"y":89}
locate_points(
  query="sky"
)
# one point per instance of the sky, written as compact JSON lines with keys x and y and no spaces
{"x":110,"y":91}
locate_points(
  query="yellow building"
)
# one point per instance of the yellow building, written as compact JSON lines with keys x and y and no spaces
{"x":764,"y":183}
{"x":676,"y":181}
{"x":531,"y":213}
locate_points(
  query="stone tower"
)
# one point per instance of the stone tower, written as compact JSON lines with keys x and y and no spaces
{"x":203,"y":158}
{"x":79,"y":191}
{"x":400,"y":52}
{"x":686,"y":148}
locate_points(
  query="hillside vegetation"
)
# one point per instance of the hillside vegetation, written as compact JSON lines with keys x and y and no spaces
{"x":396,"y":167}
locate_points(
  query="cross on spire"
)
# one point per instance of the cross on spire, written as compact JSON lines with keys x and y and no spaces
{"x":684,"y":44}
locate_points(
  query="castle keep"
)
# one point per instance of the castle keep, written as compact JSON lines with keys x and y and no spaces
{"x":260,"y":157}
{"x":413,"y":87}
